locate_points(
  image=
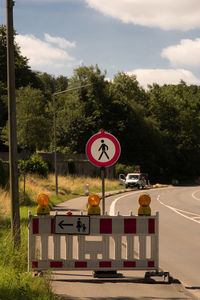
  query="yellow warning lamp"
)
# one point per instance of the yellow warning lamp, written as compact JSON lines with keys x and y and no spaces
{"x":43,"y":205}
{"x":144,"y":208}
{"x":93,"y":205}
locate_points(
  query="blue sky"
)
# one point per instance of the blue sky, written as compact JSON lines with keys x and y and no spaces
{"x":158,"y":41}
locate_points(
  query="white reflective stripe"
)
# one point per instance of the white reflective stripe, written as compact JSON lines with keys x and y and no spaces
{"x":56,"y":245}
{"x":69,"y":246}
{"x":81,"y":248}
{"x":153,"y":247}
{"x":142,"y":247}
{"x":105,"y":252}
{"x":118,"y":248}
{"x":130,"y":247}
{"x":44,"y":247}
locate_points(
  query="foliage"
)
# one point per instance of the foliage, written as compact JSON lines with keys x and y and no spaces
{"x":23,"y":74}
{"x":51,"y":84}
{"x":175,"y":109}
{"x":34,"y":165}
{"x":125,"y":169}
{"x":82,"y":112}
{"x":33,"y":119}
{"x":71,"y":166}
{"x":4,"y":174}
{"x":3,"y":104}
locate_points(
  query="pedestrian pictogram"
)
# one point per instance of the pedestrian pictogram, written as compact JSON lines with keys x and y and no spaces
{"x":80,"y":225}
{"x":72,"y":224}
{"x":103,"y":149}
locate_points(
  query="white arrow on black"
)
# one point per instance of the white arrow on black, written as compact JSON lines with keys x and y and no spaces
{"x":62,"y":224}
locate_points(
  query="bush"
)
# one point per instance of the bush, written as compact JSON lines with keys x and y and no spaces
{"x":4,"y":174}
{"x":35,"y":165}
{"x":125,"y":169}
{"x":71,"y":166}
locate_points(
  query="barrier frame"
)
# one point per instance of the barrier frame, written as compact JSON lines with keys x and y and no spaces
{"x":108,"y":228}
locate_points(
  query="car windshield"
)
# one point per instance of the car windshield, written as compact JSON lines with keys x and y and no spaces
{"x":133,"y":176}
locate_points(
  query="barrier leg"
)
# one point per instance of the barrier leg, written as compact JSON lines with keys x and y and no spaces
{"x":107,"y":274}
{"x":148,"y":275}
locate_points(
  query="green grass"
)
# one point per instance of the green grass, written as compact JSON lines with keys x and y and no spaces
{"x":15,"y":282}
{"x":15,"y":285}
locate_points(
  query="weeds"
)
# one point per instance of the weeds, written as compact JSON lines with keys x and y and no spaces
{"x":15,"y":282}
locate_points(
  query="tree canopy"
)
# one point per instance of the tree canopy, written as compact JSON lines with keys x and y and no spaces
{"x":158,"y":128}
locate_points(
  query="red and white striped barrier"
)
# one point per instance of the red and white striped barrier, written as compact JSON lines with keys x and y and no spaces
{"x":110,"y":243}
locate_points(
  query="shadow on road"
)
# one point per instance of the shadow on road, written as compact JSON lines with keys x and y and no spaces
{"x":192,"y":287}
{"x":121,"y":279}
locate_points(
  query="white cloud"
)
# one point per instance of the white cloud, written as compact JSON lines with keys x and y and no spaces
{"x":61,"y":42}
{"x":166,"y":14}
{"x":186,"y":53}
{"x":164,"y":76}
{"x":45,"y":57}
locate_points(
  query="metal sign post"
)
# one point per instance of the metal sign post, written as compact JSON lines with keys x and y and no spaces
{"x":103,"y":150}
{"x":103,"y":189}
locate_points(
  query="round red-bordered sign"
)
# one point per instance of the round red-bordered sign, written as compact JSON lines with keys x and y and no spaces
{"x":103,"y":149}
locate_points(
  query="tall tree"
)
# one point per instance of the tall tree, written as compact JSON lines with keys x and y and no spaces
{"x":23,"y":74}
{"x":175,"y":109}
{"x":34,"y":126}
{"x":83,"y":112}
{"x":51,"y":84}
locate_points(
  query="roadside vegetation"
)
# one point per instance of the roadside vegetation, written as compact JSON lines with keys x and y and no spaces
{"x":15,"y":282}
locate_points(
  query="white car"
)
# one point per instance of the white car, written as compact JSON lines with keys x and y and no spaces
{"x":133,"y":180}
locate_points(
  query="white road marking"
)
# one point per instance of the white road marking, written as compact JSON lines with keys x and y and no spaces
{"x":193,"y":195}
{"x":112,"y":207}
{"x":181,"y":212}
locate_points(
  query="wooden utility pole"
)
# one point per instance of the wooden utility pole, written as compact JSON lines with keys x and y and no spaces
{"x":14,"y":189}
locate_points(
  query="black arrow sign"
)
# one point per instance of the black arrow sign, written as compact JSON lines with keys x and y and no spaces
{"x":62,"y":224}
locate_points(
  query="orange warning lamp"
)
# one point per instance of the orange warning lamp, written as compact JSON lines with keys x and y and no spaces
{"x":144,"y":208}
{"x":94,"y":200}
{"x":144,"y":199}
{"x":43,"y":204}
{"x":93,"y":205}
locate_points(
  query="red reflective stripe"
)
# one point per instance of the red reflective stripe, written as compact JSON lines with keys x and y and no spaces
{"x":105,"y":264}
{"x":129,"y":264}
{"x":80,"y":264}
{"x":35,"y":226}
{"x":56,"y":264}
{"x":151,"y":225}
{"x":52,"y":225}
{"x":129,"y":225}
{"x":105,"y":226}
{"x":34,"y":264}
{"x":151,"y":264}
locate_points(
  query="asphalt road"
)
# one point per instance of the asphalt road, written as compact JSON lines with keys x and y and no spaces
{"x":179,"y":210}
